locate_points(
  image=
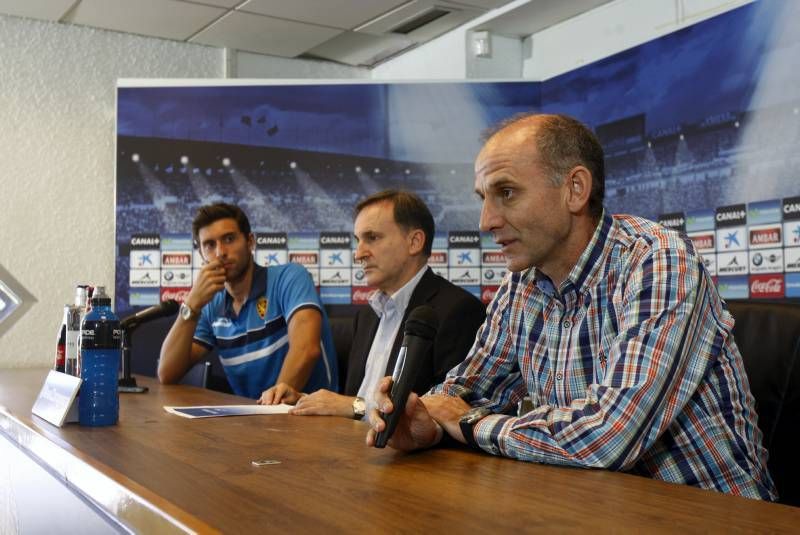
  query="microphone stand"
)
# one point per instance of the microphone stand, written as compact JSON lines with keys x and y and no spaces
{"x":127,"y":383}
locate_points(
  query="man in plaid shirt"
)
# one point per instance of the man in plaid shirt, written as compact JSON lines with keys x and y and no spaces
{"x":611,"y":325}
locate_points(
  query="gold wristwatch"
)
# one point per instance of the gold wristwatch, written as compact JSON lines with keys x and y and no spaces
{"x":359,"y":408}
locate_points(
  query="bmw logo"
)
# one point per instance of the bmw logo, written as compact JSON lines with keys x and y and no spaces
{"x":758,"y":259}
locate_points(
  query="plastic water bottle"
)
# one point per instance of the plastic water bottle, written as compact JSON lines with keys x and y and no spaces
{"x":101,"y":350}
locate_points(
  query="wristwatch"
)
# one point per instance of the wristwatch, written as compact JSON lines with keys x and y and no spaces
{"x":186,"y":312}
{"x":469,"y":420}
{"x":359,"y":408}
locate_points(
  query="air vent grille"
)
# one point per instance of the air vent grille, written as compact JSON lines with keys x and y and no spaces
{"x":421,"y":20}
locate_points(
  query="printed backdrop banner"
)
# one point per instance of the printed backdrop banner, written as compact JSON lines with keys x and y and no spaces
{"x":700,"y":129}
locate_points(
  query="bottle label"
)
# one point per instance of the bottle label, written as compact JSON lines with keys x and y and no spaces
{"x":101,"y":335}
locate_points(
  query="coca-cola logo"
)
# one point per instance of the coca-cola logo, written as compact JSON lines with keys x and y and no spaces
{"x":178,"y":294}
{"x":488,"y":293}
{"x":766,"y":286}
{"x":361,"y":295}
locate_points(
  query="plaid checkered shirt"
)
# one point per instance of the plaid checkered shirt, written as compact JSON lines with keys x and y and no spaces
{"x":630,"y":364}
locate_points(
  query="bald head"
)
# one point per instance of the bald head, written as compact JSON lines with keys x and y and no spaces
{"x":557,"y":144}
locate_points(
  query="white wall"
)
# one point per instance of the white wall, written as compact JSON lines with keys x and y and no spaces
{"x":444,"y":58}
{"x":610,"y":29}
{"x":589,"y":37}
{"x":57,"y":109}
{"x":505,"y":61}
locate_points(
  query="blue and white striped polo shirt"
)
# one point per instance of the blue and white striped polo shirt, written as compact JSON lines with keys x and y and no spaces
{"x":253,"y":344}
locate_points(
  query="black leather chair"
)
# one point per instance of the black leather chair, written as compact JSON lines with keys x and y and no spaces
{"x":768,"y":336}
{"x":340,"y":318}
{"x":197,"y":374}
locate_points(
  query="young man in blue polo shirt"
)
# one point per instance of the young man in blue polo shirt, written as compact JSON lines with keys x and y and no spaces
{"x":267,"y":324}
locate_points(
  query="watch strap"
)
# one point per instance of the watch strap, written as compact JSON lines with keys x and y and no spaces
{"x":468,"y":422}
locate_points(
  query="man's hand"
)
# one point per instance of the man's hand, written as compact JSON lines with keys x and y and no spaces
{"x":415,"y":429}
{"x":280,"y":393}
{"x":324,"y":403}
{"x":210,"y":280}
{"x":447,"y":411}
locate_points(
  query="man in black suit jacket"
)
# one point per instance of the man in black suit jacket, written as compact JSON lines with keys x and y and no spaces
{"x":394,"y":231}
{"x":460,"y":314}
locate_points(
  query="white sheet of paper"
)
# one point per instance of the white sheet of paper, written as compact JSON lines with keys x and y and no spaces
{"x":214,"y":411}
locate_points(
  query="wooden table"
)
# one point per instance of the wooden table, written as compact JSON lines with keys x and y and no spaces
{"x":157,"y":472}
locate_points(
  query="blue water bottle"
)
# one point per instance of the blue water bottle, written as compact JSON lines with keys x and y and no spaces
{"x":101,"y":350}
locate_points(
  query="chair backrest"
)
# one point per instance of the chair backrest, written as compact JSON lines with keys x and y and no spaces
{"x":768,"y":336}
{"x":197,"y":375}
{"x":341,"y":319}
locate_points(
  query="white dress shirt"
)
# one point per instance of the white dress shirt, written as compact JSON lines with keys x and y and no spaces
{"x":390,"y":311}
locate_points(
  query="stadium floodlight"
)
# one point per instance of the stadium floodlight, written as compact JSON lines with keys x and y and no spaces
{"x":226,"y":162}
{"x":135,"y":157}
{"x":184,"y":160}
{"x":292,"y":165}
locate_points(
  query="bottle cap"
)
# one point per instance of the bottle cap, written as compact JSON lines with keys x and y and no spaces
{"x":99,"y":297}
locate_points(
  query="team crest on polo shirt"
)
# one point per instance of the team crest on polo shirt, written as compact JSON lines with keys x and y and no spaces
{"x":261,"y":307}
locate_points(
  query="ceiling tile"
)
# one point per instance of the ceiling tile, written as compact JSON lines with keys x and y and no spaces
{"x":256,"y":33}
{"x":36,"y":9}
{"x":159,"y":18}
{"x":345,"y":14}
{"x":219,"y":3}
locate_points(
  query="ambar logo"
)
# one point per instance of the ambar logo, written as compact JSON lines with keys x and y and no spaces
{"x":766,"y":236}
{"x":703,"y":241}
{"x":307,"y":259}
{"x":176,"y":259}
{"x":438,"y":258}
{"x":493,"y":257}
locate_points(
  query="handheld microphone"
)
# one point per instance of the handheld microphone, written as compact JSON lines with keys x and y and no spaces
{"x":420,"y":330}
{"x":166,"y":308}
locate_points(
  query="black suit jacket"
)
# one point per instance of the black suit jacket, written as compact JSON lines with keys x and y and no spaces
{"x":460,"y":314}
